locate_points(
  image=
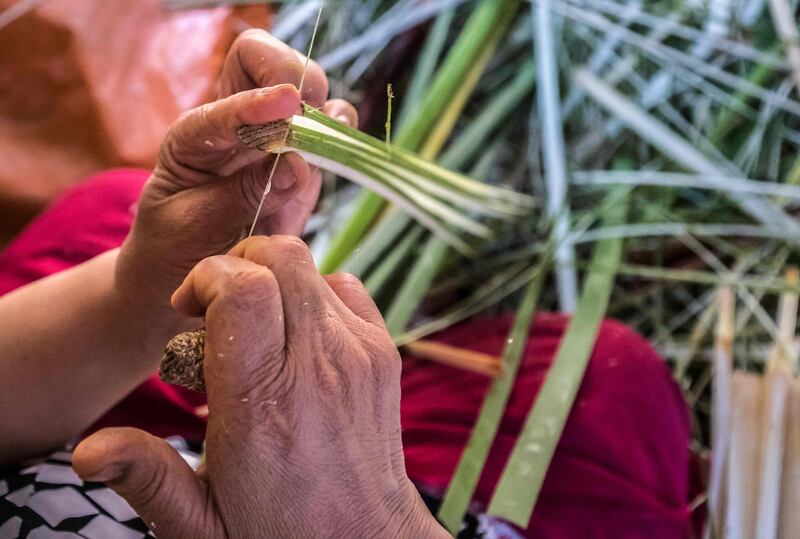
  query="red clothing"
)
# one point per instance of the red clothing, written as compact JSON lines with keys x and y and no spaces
{"x":620,"y":470}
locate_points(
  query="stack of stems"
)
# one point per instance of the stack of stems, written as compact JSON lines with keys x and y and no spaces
{"x":480,"y":30}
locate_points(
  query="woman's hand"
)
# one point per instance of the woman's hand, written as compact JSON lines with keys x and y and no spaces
{"x":204,"y":191}
{"x":110,"y":317}
{"x":304,"y":427}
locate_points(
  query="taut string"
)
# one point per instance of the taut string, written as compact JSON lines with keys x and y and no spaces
{"x":268,"y":187}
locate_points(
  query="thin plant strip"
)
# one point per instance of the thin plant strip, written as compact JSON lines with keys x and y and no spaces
{"x":460,"y":358}
{"x":468,"y":471}
{"x":721,"y":402}
{"x":554,"y":161}
{"x":776,"y":380}
{"x":521,"y":482}
{"x":441,"y":200}
{"x":432,"y":255}
{"x":384,"y":235}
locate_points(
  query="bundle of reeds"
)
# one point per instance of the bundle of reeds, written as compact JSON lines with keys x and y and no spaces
{"x":755,"y":485}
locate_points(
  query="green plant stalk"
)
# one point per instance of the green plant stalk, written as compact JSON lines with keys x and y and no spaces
{"x":486,"y":24}
{"x":378,"y":278}
{"x":479,"y":30}
{"x":435,"y":183}
{"x":431,"y":194}
{"x":397,"y":157}
{"x":468,"y":471}
{"x":389,"y":99}
{"x":426,"y":64}
{"x":524,"y":473}
{"x":730,"y":117}
{"x":390,"y":226}
{"x":497,"y":288}
{"x":420,"y":278}
{"x":415,"y":285}
{"x":468,"y":143}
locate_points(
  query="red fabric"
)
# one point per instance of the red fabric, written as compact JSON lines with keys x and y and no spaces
{"x":88,"y":220}
{"x":621,"y":469}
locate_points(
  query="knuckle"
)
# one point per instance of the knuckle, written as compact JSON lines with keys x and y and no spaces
{"x":210,"y":268}
{"x":347,"y":279}
{"x":288,"y":68}
{"x":253,"y":285}
{"x":262,"y":284}
{"x":251,"y":34}
{"x":291,"y":246}
{"x":257,"y":249}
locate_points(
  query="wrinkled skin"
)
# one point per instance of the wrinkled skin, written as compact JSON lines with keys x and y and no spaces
{"x":304,"y":396}
{"x":302,"y":376}
{"x":203,"y":194}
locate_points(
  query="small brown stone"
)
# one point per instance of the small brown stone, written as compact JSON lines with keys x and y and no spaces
{"x":182,"y":363}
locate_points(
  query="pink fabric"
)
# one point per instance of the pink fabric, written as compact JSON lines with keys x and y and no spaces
{"x":621,"y":469}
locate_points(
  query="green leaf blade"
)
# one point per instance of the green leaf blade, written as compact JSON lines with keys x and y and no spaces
{"x":522,"y":479}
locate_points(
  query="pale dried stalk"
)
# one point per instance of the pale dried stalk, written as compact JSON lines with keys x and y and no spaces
{"x":773,"y":425}
{"x":788,"y":515}
{"x":453,"y":356}
{"x":773,"y":428}
{"x":721,"y":423}
{"x":783,"y":357}
{"x":741,"y":509}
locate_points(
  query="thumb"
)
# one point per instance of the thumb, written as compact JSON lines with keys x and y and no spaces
{"x":151,"y":476}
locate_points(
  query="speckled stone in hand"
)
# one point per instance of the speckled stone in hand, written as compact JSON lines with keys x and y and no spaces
{"x":182,"y":363}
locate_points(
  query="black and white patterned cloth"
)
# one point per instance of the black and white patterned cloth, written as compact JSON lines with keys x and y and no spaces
{"x":45,"y":499}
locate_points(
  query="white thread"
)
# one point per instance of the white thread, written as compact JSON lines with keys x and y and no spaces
{"x":268,"y":187}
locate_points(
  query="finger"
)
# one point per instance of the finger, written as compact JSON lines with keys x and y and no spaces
{"x":244,"y":328}
{"x":257,"y":59}
{"x":343,"y":111}
{"x":355,"y":297}
{"x":231,"y":203}
{"x":291,"y":217}
{"x":205,"y":138}
{"x":302,"y":288}
{"x":291,"y":177}
{"x":152,"y":477}
{"x":221,"y":278}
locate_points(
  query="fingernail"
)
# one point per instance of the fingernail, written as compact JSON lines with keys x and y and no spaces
{"x":272,"y":89}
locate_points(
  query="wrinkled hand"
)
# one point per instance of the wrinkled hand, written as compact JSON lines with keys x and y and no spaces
{"x":303,"y":386}
{"x":206,"y":186}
